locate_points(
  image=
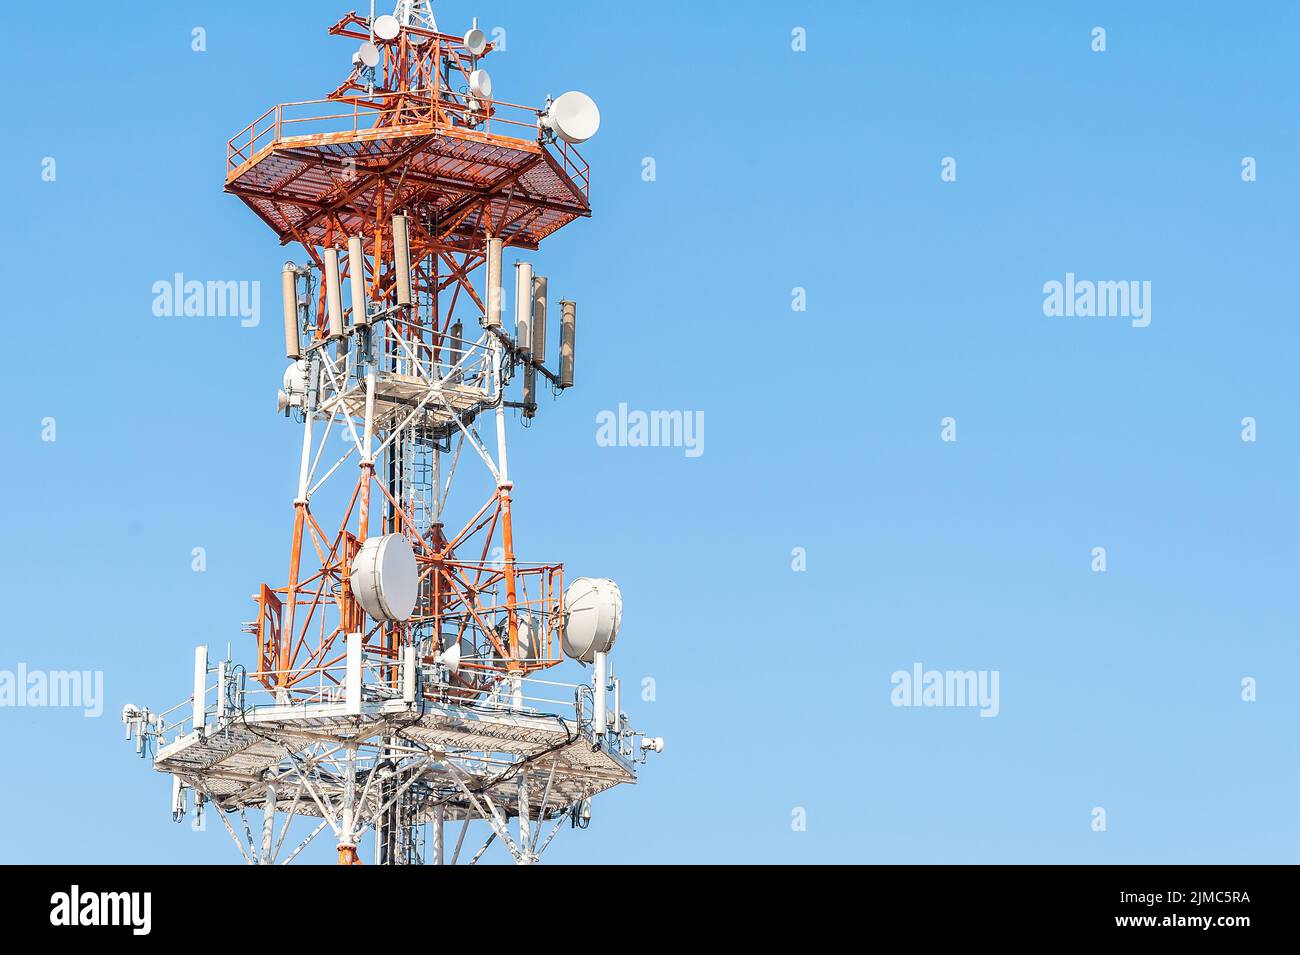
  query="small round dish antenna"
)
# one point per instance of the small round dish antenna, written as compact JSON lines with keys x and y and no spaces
{"x":476,"y":42}
{"x":480,"y":84}
{"x":573,"y":117}
{"x":367,"y":55}
{"x":387,"y":27}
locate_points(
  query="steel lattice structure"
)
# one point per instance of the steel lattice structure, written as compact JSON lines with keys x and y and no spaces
{"x":407,"y":182}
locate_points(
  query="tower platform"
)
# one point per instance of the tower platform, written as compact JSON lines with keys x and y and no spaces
{"x":235,"y":762}
{"x":319,"y":166}
{"x":398,"y":395}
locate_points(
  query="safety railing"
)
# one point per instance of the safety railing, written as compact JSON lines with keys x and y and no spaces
{"x":407,"y":350}
{"x":343,"y":114}
{"x":228,"y":699}
{"x":574,"y":165}
{"x":416,"y":685}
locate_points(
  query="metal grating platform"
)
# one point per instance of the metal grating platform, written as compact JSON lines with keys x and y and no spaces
{"x":235,"y":761}
{"x":304,"y":186}
{"x":396,"y":395}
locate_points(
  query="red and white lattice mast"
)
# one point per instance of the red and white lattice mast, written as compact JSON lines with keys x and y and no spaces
{"x":398,"y":680}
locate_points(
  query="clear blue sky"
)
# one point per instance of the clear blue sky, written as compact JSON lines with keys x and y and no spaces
{"x":775,"y":170}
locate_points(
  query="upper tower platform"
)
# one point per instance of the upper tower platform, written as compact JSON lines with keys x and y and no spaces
{"x":405,"y":132}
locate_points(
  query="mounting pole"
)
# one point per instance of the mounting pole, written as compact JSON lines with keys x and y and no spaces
{"x":347,"y":836}
{"x":600,"y":719}
{"x":200,"y":687}
{"x":439,"y":817}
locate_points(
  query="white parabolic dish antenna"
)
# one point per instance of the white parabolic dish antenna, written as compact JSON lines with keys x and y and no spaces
{"x":385,"y":578}
{"x":573,"y":117}
{"x":295,"y":377}
{"x":480,"y":84}
{"x":526,"y":631}
{"x":387,"y":27}
{"x":476,"y":42}
{"x":593,"y":609}
{"x":368,"y":54}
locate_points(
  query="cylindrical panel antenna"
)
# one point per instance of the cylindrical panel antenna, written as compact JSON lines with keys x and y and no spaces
{"x":333,"y":293}
{"x":530,"y":392}
{"x":523,"y":306}
{"x":456,"y":349}
{"x":411,"y":673}
{"x":357,"y":278}
{"x":495,"y":293}
{"x":539,"y":320}
{"x":618,"y":706}
{"x":568,"y":328}
{"x":402,"y":260}
{"x":289,"y":283}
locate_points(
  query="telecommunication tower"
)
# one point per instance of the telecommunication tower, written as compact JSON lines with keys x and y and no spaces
{"x":399,"y":682}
